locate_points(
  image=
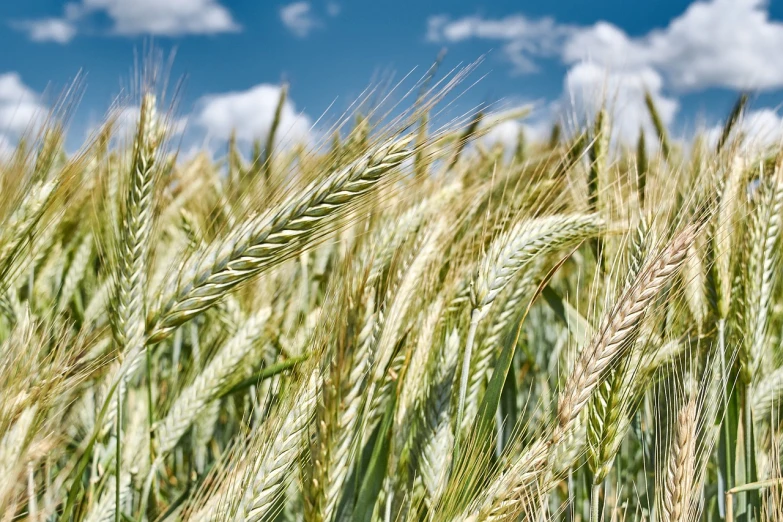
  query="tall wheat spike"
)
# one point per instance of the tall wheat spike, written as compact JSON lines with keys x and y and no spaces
{"x":763,"y":264}
{"x":134,"y":244}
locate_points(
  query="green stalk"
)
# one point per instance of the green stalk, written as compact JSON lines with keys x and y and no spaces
{"x":150,"y":418}
{"x":266,"y":373}
{"x":475,"y":317}
{"x":641,"y":168}
{"x":660,"y":128}
{"x":118,"y":459}
{"x":150,"y":412}
{"x":727,"y":435}
{"x":595,"y":503}
{"x":734,"y":116}
{"x":751,"y":496}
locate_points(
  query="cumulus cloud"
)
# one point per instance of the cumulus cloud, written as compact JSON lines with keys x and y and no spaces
{"x":57,"y":30}
{"x":298,"y":17}
{"x":759,"y":128}
{"x":718,"y":43}
{"x":524,"y":38}
{"x":714,"y":43}
{"x":20,"y":109}
{"x":20,"y":106}
{"x":505,"y":133}
{"x":250,"y":114}
{"x":156,"y":17}
{"x":589,"y":86}
{"x":6,"y":148}
{"x":535,"y":127}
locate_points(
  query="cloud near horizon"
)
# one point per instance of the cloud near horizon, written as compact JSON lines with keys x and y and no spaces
{"x":606,"y":65}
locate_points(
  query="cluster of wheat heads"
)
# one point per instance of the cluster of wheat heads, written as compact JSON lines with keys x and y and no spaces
{"x":402,"y":324}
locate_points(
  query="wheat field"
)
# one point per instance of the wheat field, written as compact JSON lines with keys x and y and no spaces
{"x":406,"y":322}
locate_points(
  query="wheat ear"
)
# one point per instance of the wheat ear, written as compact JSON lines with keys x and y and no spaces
{"x":76,"y":271}
{"x":339,"y":419}
{"x":193,"y":399}
{"x":130,"y":281}
{"x":508,"y":254}
{"x":434,"y":435}
{"x":262,"y":242}
{"x":681,"y":467}
{"x":482,"y":361}
{"x":620,"y":328}
{"x":271,"y":471}
{"x":515,"y":488}
{"x":762,"y":265}
{"x":16,"y":232}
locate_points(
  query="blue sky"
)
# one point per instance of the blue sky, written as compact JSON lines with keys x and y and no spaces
{"x":564,"y":55}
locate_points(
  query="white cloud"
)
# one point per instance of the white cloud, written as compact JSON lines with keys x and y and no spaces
{"x":717,"y":43}
{"x":169,"y":17}
{"x":587,"y":86}
{"x":333,"y":8}
{"x":763,"y":126}
{"x":506,"y":133}
{"x":714,"y":43}
{"x":57,"y":30}
{"x":298,"y":17}
{"x":13,"y":90}
{"x":156,"y":17}
{"x":6,"y":148}
{"x":250,"y":113}
{"x":759,"y":128}
{"x":524,"y":38}
{"x":20,"y":108}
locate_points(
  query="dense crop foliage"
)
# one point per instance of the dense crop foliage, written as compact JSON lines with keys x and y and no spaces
{"x":401,"y":324}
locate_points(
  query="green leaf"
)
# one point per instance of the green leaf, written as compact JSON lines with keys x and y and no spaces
{"x":376,"y":471}
{"x":579,"y":327}
{"x":266,"y":373}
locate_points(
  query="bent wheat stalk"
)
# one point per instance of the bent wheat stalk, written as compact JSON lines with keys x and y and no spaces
{"x":507,"y":255}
